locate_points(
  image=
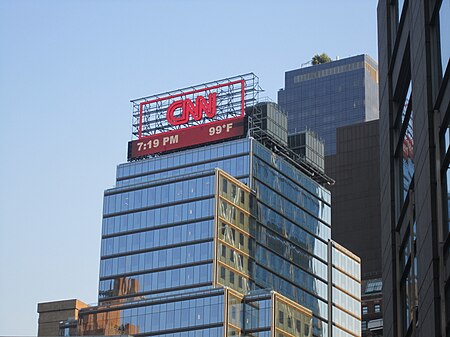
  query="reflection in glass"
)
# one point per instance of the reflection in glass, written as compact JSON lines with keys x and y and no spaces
{"x":444,"y":31}
{"x":400,"y":8}
{"x":408,"y":157}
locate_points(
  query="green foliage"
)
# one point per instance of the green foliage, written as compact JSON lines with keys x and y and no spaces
{"x":322,"y":58}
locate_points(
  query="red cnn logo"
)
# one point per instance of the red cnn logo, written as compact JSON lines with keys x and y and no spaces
{"x":202,"y":105}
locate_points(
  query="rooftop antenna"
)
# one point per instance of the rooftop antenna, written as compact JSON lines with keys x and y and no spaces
{"x":303,"y":64}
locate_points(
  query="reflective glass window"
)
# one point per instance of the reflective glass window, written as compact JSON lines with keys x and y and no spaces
{"x":287,"y":169}
{"x":444,"y":31}
{"x":157,"y":282}
{"x":290,"y":272}
{"x":281,"y":317}
{"x":189,"y":161}
{"x":291,"y":211}
{"x":407,"y":166}
{"x":158,"y":258}
{"x":290,"y":190}
{"x":295,"y":232}
{"x":266,"y":279}
{"x":400,"y":4}
{"x":343,"y":319}
{"x":405,"y":149}
{"x":346,"y":263}
{"x":157,"y":238}
{"x":126,"y":201}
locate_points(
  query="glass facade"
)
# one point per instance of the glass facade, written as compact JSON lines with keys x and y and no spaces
{"x":324,"y":97}
{"x":190,"y":314}
{"x":346,"y":288}
{"x":223,"y":240}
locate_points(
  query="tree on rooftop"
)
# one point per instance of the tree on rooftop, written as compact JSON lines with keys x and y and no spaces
{"x":319,"y":59}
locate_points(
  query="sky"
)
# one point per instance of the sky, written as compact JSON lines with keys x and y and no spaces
{"x":68,"y":70}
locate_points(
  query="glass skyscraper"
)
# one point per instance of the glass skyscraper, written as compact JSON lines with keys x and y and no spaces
{"x":214,"y":239}
{"x":223,"y":239}
{"x":326,"y":96}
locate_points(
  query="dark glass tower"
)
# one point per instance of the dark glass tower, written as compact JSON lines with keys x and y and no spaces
{"x":326,"y":96}
{"x":414,"y":50}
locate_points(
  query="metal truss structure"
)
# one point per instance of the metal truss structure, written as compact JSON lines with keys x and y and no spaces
{"x":233,"y":95}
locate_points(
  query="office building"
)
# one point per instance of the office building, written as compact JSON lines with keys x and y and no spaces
{"x":414,"y":50}
{"x":215,"y":229}
{"x":338,"y":100}
{"x":356,"y":198}
{"x":356,"y":210}
{"x":326,"y":96}
{"x":51,"y":315}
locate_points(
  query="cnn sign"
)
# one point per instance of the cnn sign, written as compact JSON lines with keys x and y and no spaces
{"x":187,"y":118}
{"x":179,"y":112}
{"x":193,"y":107}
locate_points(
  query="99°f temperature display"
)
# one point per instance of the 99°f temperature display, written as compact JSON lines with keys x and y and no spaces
{"x":195,"y":135}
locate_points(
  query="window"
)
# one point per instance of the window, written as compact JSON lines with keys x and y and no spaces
{"x":241,"y":239}
{"x":364,"y":325}
{"x":241,"y":261}
{"x":405,"y":250}
{"x":240,"y":282}
{"x":224,"y":251}
{"x":407,"y":165}
{"x":298,"y":325}
{"x":241,"y":218}
{"x":224,"y":185}
{"x":242,"y":197}
{"x":408,"y":283}
{"x":281,"y":317}
{"x":231,"y":277}
{"x":405,"y":145}
{"x":251,"y":202}
{"x":306,"y":329}
{"x":400,"y":8}
{"x":444,"y":31}
{"x":233,"y":191}
{"x":373,"y":286}
{"x":289,"y":322}
{"x":377,"y":308}
{"x":223,"y":229}
{"x":407,"y":297}
{"x":365,"y":310}
{"x":222,"y":273}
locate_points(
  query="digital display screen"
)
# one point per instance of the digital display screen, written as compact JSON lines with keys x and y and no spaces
{"x":185,"y":137}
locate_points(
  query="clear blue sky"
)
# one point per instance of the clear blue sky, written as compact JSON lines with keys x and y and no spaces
{"x":68,"y":70}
